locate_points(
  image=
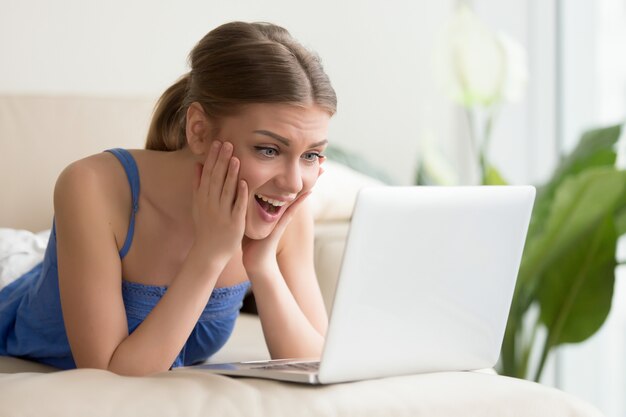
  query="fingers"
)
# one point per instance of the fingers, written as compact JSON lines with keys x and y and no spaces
{"x":209,"y":164}
{"x":241,"y":203}
{"x":294,"y":206}
{"x":229,"y":192}
{"x":218,"y":176}
{"x":216,"y":170}
{"x":289,"y":213}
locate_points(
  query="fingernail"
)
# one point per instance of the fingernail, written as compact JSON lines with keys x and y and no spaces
{"x":216,"y":144}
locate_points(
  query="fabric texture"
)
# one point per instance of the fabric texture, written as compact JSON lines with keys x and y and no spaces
{"x":31,"y":320}
{"x":20,"y":251}
{"x":185,"y":392}
{"x":335,"y":192}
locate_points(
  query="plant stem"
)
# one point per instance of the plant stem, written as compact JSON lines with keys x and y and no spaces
{"x":480,"y":140}
{"x":473,"y":137}
{"x":489,"y":122}
{"x":509,"y":364}
{"x":532,"y":267}
{"x":484,"y":148}
{"x":528,"y":349}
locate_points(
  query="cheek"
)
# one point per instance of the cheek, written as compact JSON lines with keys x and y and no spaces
{"x":253,"y":173}
{"x":309,"y":177}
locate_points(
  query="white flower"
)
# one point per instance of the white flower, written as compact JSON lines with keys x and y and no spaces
{"x":514,"y":85}
{"x":477,"y":66}
{"x":434,"y":164}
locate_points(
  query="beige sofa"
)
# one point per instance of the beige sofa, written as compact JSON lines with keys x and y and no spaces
{"x":40,"y":135}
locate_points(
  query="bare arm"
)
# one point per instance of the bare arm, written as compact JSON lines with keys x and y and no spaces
{"x":288,"y":297}
{"x":90,"y":271}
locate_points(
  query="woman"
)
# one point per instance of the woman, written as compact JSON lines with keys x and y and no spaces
{"x":152,"y":251}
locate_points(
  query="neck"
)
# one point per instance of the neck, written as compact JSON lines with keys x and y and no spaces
{"x":172,"y":182}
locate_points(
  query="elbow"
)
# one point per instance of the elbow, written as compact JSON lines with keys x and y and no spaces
{"x":135,"y":369}
{"x":310,"y":349}
{"x":123,"y":368}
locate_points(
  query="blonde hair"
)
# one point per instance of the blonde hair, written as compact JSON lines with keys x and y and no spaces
{"x":236,"y":64}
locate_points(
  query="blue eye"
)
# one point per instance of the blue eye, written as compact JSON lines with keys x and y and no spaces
{"x":312,"y":156}
{"x":266,"y":151}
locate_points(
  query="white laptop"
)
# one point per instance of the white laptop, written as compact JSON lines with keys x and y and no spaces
{"x":425,"y":285}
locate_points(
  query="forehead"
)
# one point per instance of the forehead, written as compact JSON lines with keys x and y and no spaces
{"x":294,"y":122}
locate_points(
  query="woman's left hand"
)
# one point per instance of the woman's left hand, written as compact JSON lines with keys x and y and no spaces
{"x":259,"y":256}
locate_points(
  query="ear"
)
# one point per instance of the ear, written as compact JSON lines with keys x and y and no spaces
{"x":197,"y":129}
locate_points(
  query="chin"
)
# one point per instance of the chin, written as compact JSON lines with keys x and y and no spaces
{"x":257,"y":227}
{"x":256,"y":233}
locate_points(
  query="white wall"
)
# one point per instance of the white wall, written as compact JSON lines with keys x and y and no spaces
{"x":376,"y":53}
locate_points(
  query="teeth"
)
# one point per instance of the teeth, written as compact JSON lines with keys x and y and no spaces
{"x":275,"y":203}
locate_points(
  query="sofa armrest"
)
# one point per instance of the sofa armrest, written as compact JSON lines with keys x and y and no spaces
{"x":330,"y":242}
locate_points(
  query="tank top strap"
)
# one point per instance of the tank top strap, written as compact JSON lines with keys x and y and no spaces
{"x":130,"y":166}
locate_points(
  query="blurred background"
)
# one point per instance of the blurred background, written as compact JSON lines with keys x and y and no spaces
{"x":394,"y":106}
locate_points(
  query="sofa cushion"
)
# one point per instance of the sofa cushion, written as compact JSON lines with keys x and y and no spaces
{"x":335,"y":191}
{"x":186,"y":392}
{"x":43,"y":134}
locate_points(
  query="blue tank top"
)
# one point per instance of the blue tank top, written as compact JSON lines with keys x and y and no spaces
{"x":31,"y":321}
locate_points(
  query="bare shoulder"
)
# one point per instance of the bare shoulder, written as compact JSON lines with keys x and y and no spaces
{"x":94,"y":176}
{"x":94,"y":189}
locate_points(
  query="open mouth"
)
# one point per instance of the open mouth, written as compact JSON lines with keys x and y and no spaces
{"x":270,"y":206}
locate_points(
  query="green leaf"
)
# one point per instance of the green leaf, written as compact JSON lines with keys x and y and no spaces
{"x":569,"y":259}
{"x":576,"y":290}
{"x":595,"y":149}
{"x":581,"y":201}
{"x":493,"y":177}
{"x":579,"y":204}
{"x":422,"y":177}
{"x":620,"y":221}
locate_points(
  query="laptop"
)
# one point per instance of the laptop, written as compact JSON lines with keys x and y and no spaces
{"x":425,"y":285}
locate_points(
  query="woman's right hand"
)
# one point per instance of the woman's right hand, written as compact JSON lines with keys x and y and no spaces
{"x":219,"y":203}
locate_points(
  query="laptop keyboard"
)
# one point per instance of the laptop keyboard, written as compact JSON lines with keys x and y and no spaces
{"x":292,"y":366}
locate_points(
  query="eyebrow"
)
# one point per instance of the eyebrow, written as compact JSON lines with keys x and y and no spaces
{"x":284,"y":140}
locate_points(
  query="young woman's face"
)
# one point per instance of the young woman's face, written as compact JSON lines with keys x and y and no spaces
{"x":279,"y":147}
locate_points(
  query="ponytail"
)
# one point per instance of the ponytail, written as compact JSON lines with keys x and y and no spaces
{"x":237,"y":64}
{"x":167,"y":128}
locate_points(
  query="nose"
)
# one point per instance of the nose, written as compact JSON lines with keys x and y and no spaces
{"x":290,"y":178}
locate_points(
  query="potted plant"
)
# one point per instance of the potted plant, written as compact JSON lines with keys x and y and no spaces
{"x":567,"y":273}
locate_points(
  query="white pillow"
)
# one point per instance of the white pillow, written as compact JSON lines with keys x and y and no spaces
{"x":335,"y":192}
{"x":20,"y":251}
